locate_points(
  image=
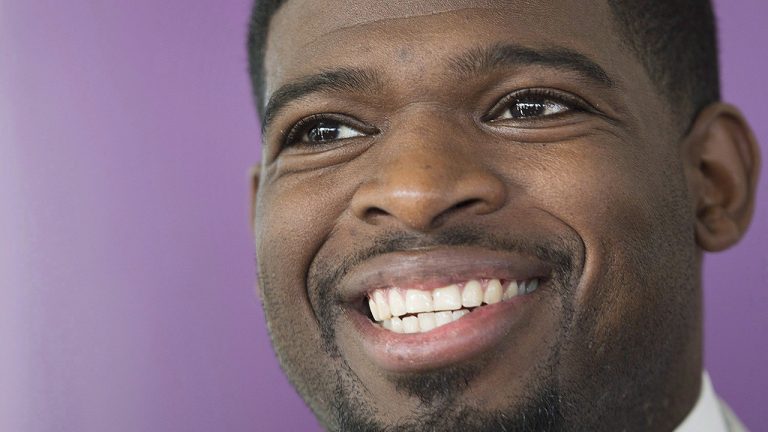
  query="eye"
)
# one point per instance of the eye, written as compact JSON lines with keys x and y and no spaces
{"x":535,"y":104}
{"x":322,"y":129}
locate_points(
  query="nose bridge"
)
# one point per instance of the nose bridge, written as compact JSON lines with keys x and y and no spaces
{"x":427,"y":171}
{"x":425,"y":155}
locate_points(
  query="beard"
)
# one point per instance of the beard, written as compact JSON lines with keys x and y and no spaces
{"x":540,"y":411}
{"x":439,"y":394}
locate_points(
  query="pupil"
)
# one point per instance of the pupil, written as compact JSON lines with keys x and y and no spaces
{"x":324,"y":132}
{"x":528,"y":109}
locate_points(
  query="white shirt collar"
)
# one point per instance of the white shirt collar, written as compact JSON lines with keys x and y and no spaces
{"x":706,"y":415}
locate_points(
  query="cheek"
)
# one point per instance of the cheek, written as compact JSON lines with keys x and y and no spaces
{"x":629,"y":210}
{"x":294,"y":216}
{"x":599,"y":193}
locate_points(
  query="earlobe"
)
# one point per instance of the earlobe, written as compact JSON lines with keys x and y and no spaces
{"x":723,"y":164}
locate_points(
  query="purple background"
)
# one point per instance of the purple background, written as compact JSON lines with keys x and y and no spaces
{"x":126,"y":265}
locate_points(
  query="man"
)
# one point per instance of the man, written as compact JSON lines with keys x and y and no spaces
{"x":490,"y":216}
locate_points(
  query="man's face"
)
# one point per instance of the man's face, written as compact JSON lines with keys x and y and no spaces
{"x":511,"y":160}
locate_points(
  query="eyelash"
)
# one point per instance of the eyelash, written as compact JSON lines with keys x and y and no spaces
{"x":571,"y":102}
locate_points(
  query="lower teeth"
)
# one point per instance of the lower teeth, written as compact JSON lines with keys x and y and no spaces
{"x":422,"y":322}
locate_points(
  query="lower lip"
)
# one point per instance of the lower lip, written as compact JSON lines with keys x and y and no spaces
{"x":464,"y":339}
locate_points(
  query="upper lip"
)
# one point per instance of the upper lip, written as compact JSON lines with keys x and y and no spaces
{"x":433,"y":268}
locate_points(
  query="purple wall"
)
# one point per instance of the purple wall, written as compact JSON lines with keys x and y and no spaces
{"x":126,"y":266}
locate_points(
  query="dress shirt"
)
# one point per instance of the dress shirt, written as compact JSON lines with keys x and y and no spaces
{"x":707,"y":414}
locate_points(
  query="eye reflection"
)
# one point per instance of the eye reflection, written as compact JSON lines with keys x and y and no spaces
{"x":328,"y":130}
{"x":532,"y":108}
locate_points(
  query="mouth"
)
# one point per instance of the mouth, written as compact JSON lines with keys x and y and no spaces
{"x":418,"y":311}
{"x":422,"y":310}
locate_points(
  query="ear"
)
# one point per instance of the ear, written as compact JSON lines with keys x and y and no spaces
{"x":723,"y":161}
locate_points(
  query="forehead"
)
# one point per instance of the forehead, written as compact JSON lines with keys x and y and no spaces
{"x":307,"y":36}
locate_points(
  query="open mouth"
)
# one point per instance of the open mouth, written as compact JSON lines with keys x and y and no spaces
{"x":418,"y":311}
{"x":426,"y":309}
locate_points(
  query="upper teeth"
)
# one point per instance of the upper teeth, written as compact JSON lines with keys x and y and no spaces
{"x":449,"y":302}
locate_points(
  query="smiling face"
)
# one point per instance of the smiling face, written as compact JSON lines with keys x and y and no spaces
{"x":473,"y":215}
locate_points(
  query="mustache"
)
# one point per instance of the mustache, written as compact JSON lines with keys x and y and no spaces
{"x":559,"y":252}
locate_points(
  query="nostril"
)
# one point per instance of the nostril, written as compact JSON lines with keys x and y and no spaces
{"x":465,"y":204}
{"x":456,"y":208}
{"x":373,"y":213}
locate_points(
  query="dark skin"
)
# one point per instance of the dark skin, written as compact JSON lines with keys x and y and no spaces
{"x":549,"y":143}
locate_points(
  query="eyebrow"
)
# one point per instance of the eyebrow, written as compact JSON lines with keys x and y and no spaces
{"x":343,"y":79}
{"x":478,"y":61}
{"x":483,"y":60}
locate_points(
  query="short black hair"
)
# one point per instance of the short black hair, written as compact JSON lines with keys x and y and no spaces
{"x":675,"y":40}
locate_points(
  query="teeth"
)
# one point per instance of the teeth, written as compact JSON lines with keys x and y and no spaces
{"x":443,"y":318}
{"x":418,"y":301}
{"x":397,"y":325}
{"x":511,"y":291}
{"x":396,"y":303}
{"x":381,"y":305}
{"x":472,"y":295}
{"x":410,"y":324}
{"x":448,"y":298}
{"x":493,"y":292}
{"x":430,"y":309}
{"x":459,"y":313}
{"x":422,"y":322}
{"x":531,"y":286}
{"x":427,"y":321}
{"x":374,"y":310}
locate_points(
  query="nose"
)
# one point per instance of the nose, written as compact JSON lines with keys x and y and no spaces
{"x":423,"y":179}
